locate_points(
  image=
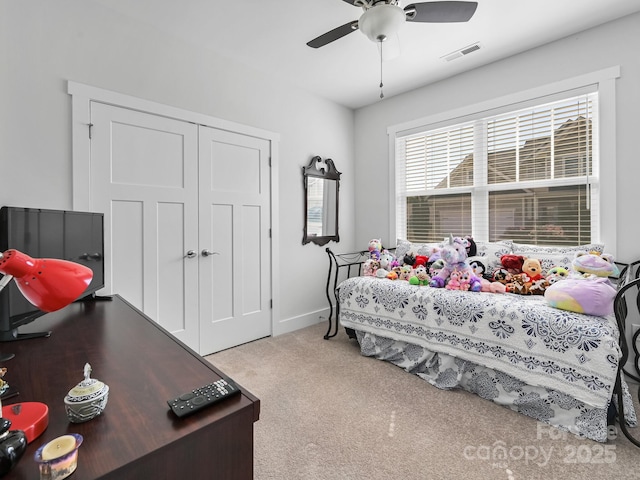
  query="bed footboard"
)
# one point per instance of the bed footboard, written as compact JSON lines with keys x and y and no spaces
{"x":341,"y":266}
{"x":626,"y":306}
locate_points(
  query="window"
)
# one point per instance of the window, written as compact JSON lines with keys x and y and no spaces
{"x":525,"y":175}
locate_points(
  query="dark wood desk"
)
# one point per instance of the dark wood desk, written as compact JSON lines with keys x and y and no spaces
{"x":137,"y":436}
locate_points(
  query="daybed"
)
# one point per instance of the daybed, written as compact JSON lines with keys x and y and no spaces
{"x":556,"y":366}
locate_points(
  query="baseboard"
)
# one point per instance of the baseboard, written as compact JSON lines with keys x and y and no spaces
{"x":301,"y":321}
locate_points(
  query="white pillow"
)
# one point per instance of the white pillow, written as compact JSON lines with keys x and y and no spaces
{"x":555,"y":256}
{"x":492,"y":251}
{"x":405,"y":246}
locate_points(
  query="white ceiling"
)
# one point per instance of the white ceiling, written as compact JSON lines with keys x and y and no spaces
{"x":271,"y":36}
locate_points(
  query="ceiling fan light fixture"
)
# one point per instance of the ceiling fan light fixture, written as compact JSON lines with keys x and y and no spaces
{"x":381,"y":22}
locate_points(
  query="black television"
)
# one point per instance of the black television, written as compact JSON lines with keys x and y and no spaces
{"x":42,"y":233}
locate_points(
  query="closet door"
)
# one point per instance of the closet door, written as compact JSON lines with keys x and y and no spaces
{"x":234,"y":212}
{"x":144,"y":178}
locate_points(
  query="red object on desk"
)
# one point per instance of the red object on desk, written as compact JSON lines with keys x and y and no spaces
{"x":30,"y":417}
{"x":48,"y":283}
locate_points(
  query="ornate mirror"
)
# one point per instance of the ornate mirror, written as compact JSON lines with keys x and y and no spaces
{"x":321,"y":187}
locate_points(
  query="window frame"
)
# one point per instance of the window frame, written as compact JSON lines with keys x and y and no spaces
{"x":601,"y":81}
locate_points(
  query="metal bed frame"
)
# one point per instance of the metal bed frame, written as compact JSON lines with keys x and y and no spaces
{"x":337,"y":263}
{"x":628,"y":283}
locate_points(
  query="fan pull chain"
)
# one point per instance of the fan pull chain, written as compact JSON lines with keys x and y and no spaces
{"x":381,"y":84}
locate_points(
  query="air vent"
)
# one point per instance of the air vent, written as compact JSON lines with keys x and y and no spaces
{"x":463,"y":51}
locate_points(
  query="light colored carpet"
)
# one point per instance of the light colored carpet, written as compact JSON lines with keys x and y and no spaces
{"x":329,"y":413}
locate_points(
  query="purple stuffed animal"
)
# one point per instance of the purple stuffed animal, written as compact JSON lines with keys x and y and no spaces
{"x":454,"y":256}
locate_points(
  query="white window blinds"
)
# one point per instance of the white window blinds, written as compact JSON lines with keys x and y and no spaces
{"x":523,"y":175}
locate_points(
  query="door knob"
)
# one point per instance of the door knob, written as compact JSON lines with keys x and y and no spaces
{"x":206,"y":252}
{"x":191,"y":254}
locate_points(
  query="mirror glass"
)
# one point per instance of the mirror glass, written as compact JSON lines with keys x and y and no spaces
{"x":321,"y":186}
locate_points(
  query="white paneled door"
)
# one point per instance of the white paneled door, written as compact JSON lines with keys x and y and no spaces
{"x":186,"y":224}
{"x":234,"y":228}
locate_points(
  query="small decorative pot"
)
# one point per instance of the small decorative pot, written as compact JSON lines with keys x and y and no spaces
{"x":86,"y":400}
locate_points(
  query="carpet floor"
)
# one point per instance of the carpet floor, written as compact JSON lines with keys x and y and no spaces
{"x":329,"y":413}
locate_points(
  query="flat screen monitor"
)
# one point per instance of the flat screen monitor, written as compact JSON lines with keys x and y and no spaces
{"x":41,"y":233}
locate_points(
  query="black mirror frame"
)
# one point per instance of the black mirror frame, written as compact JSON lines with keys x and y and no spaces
{"x":330,"y":173}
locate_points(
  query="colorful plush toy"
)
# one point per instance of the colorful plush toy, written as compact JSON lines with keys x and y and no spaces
{"x":595,"y":264}
{"x":406,"y":272}
{"x":370,"y":267}
{"x":454,"y":280}
{"x":386,"y":260}
{"x":555,"y":274}
{"x":435,"y":267}
{"x":587,"y":288}
{"x":375,"y":248}
{"x":454,"y":255}
{"x":420,"y":276}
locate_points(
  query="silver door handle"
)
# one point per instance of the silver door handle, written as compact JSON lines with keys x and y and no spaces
{"x":191,"y":254}
{"x":206,"y":252}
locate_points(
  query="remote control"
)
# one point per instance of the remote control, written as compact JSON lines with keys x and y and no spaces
{"x":202,"y":397}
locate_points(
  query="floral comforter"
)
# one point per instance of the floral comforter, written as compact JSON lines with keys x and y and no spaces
{"x":520,"y":335}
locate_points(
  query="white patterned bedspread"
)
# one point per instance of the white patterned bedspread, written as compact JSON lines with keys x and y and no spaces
{"x":519,"y":335}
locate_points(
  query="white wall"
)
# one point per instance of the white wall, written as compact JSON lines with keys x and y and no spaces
{"x":43,"y":44}
{"x":612,"y":44}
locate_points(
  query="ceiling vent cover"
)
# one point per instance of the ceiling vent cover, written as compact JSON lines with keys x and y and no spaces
{"x":463,"y":51}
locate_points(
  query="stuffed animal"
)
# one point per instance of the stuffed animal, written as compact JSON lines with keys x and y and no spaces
{"x":435,"y":267}
{"x":501,"y":275}
{"x":523,"y":283}
{"x":512,"y":263}
{"x":375,"y":248}
{"x":370,"y":267}
{"x":420,"y":260}
{"x":555,"y":274}
{"x":470,"y":246}
{"x":406,"y":272}
{"x":382,"y":272}
{"x":594,"y":264}
{"x":453,"y":254}
{"x":492,"y":287}
{"x":587,"y":288}
{"x":386,"y":260}
{"x":478,"y":265}
{"x":454,"y":280}
{"x":465,"y":279}
{"x":420,"y":276}
{"x":409,"y":259}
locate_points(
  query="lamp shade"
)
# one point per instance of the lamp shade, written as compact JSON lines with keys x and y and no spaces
{"x":381,"y":22}
{"x":48,"y":283}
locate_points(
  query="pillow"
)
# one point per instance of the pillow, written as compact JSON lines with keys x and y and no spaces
{"x":593,"y":296}
{"x":555,"y":256}
{"x":492,"y":251}
{"x":405,"y":246}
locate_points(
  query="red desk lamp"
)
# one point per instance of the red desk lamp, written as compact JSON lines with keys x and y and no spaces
{"x":48,"y":283}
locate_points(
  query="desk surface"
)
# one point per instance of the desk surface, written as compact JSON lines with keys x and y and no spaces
{"x":144,"y":366}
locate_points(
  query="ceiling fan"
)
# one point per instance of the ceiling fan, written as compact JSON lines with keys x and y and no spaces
{"x":383,"y":18}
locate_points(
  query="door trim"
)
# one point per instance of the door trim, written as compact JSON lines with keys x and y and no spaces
{"x":81,"y":97}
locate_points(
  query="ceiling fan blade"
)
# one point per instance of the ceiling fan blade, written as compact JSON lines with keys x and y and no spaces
{"x":440,"y":12}
{"x":334,"y":34}
{"x":351,"y":2}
